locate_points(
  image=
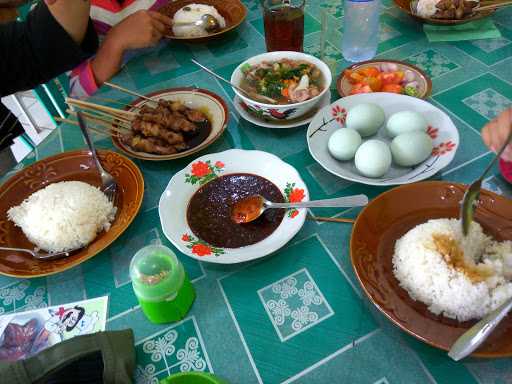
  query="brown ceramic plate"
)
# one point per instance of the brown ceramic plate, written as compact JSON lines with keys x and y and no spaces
{"x":233,"y":11}
{"x":405,"y":6}
{"x":424,"y":83}
{"x":389,"y":217}
{"x":206,"y":101}
{"x":67,"y":166}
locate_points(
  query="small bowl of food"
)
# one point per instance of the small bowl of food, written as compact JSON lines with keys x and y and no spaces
{"x":196,"y":207}
{"x":180,"y":122}
{"x":384,"y":76}
{"x":444,"y":12}
{"x":295,"y":80}
{"x":189,"y":21}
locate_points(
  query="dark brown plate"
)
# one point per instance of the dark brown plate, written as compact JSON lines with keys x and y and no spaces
{"x":233,"y":11}
{"x":425,"y":84}
{"x":67,"y":166}
{"x":389,"y":217}
{"x":405,"y":5}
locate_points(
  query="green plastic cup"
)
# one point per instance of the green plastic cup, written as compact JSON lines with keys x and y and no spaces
{"x":193,"y":378}
{"x":161,"y":284}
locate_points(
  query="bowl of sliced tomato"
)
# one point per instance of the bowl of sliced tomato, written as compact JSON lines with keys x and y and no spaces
{"x":384,"y":76}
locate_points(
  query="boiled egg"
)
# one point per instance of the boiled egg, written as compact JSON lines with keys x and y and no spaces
{"x":411,"y":148}
{"x":373,"y":158}
{"x":405,"y":121}
{"x":343,"y":143}
{"x":365,"y":118}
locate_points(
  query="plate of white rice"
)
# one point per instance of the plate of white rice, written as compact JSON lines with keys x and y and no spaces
{"x":56,"y":205}
{"x":417,"y":268}
{"x":64,"y":216}
{"x":229,"y":14}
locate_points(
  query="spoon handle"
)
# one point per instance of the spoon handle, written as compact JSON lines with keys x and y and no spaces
{"x":249,"y":94}
{"x":479,"y":332}
{"x":348,"y":201}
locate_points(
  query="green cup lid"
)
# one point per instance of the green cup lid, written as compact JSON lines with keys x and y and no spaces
{"x":193,"y":378}
{"x":156,"y":273}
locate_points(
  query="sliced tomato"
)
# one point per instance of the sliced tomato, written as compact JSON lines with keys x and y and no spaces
{"x":393,"y":88}
{"x":355,"y":77}
{"x":392,"y":77}
{"x":360,"y":88}
{"x":375,"y":83}
{"x":369,"y":71}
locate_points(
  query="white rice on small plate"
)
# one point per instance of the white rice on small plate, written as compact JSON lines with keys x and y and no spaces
{"x":192,"y":13}
{"x":426,"y":8}
{"x":459,"y":277}
{"x":64,"y":216}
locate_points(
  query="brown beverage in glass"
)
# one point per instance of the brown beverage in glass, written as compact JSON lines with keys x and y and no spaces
{"x":284,"y":24}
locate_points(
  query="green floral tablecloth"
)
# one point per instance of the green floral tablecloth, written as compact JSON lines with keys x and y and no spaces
{"x":299,"y":316}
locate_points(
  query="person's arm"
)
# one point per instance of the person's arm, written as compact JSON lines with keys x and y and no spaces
{"x":139,"y":30}
{"x":72,"y":15}
{"x":496,"y":132}
{"x":37,"y":50}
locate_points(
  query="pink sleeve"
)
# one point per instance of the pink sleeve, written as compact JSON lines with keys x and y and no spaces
{"x":82,"y":82}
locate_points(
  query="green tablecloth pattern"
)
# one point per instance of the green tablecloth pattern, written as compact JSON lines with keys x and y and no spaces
{"x":299,"y":316}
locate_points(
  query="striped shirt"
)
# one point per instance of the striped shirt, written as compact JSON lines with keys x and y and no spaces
{"x":105,"y":14}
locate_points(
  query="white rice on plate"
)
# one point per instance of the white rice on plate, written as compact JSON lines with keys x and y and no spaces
{"x":63,"y":216}
{"x":426,"y":8}
{"x":192,"y":13}
{"x":459,"y":277}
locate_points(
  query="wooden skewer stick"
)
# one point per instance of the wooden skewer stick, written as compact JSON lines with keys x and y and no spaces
{"x":108,"y":119}
{"x":102,"y":121}
{"x":112,"y":111}
{"x":107,"y":100}
{"x":105,"y":114}
{"x":331,"y":219}
{"x":122,"y":89}
{"x":92,"y":128}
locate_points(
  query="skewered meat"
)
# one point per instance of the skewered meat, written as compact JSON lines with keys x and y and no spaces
{"x":163,"y":130}
{"x":195,"y":115}
{"x":154,"y":130}
{"x":151,"y":145}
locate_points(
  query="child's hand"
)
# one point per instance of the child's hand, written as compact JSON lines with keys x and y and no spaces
{"x":140,"y":30}
{"x":496,"y":132}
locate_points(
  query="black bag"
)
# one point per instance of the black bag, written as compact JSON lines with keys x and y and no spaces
{"x":99,"y":358}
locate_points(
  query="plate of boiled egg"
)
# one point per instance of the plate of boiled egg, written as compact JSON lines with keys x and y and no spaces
{"x":382,"y":139}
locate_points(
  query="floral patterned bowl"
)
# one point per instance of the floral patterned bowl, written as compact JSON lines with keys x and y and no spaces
{"x":441,"y":129}
{"x":287,"y":111}
{"x":174,"y":203}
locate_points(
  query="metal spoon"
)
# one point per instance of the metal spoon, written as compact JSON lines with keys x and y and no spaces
{"x":473,"y":192}
{"x":252,"y":207}
{"x":478,"y":333}
{"x":208,"y":22}
{"x":41,"y":255}
{"x":252,"y":95}
{"x":109,"y":185}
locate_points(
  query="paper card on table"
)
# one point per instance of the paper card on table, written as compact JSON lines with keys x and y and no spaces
{"x":475,"y":30}
{"x":25,"y":334}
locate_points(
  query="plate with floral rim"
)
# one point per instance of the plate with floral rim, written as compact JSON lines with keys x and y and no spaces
{"x":175,"y":199}
{"x":256,"y":116}
{"x":444,"y":134}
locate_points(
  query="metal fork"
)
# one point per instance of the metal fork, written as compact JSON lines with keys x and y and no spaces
{"x":39,"y":255}
{"x":467,"y":208}
{"x":109,"y":185}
